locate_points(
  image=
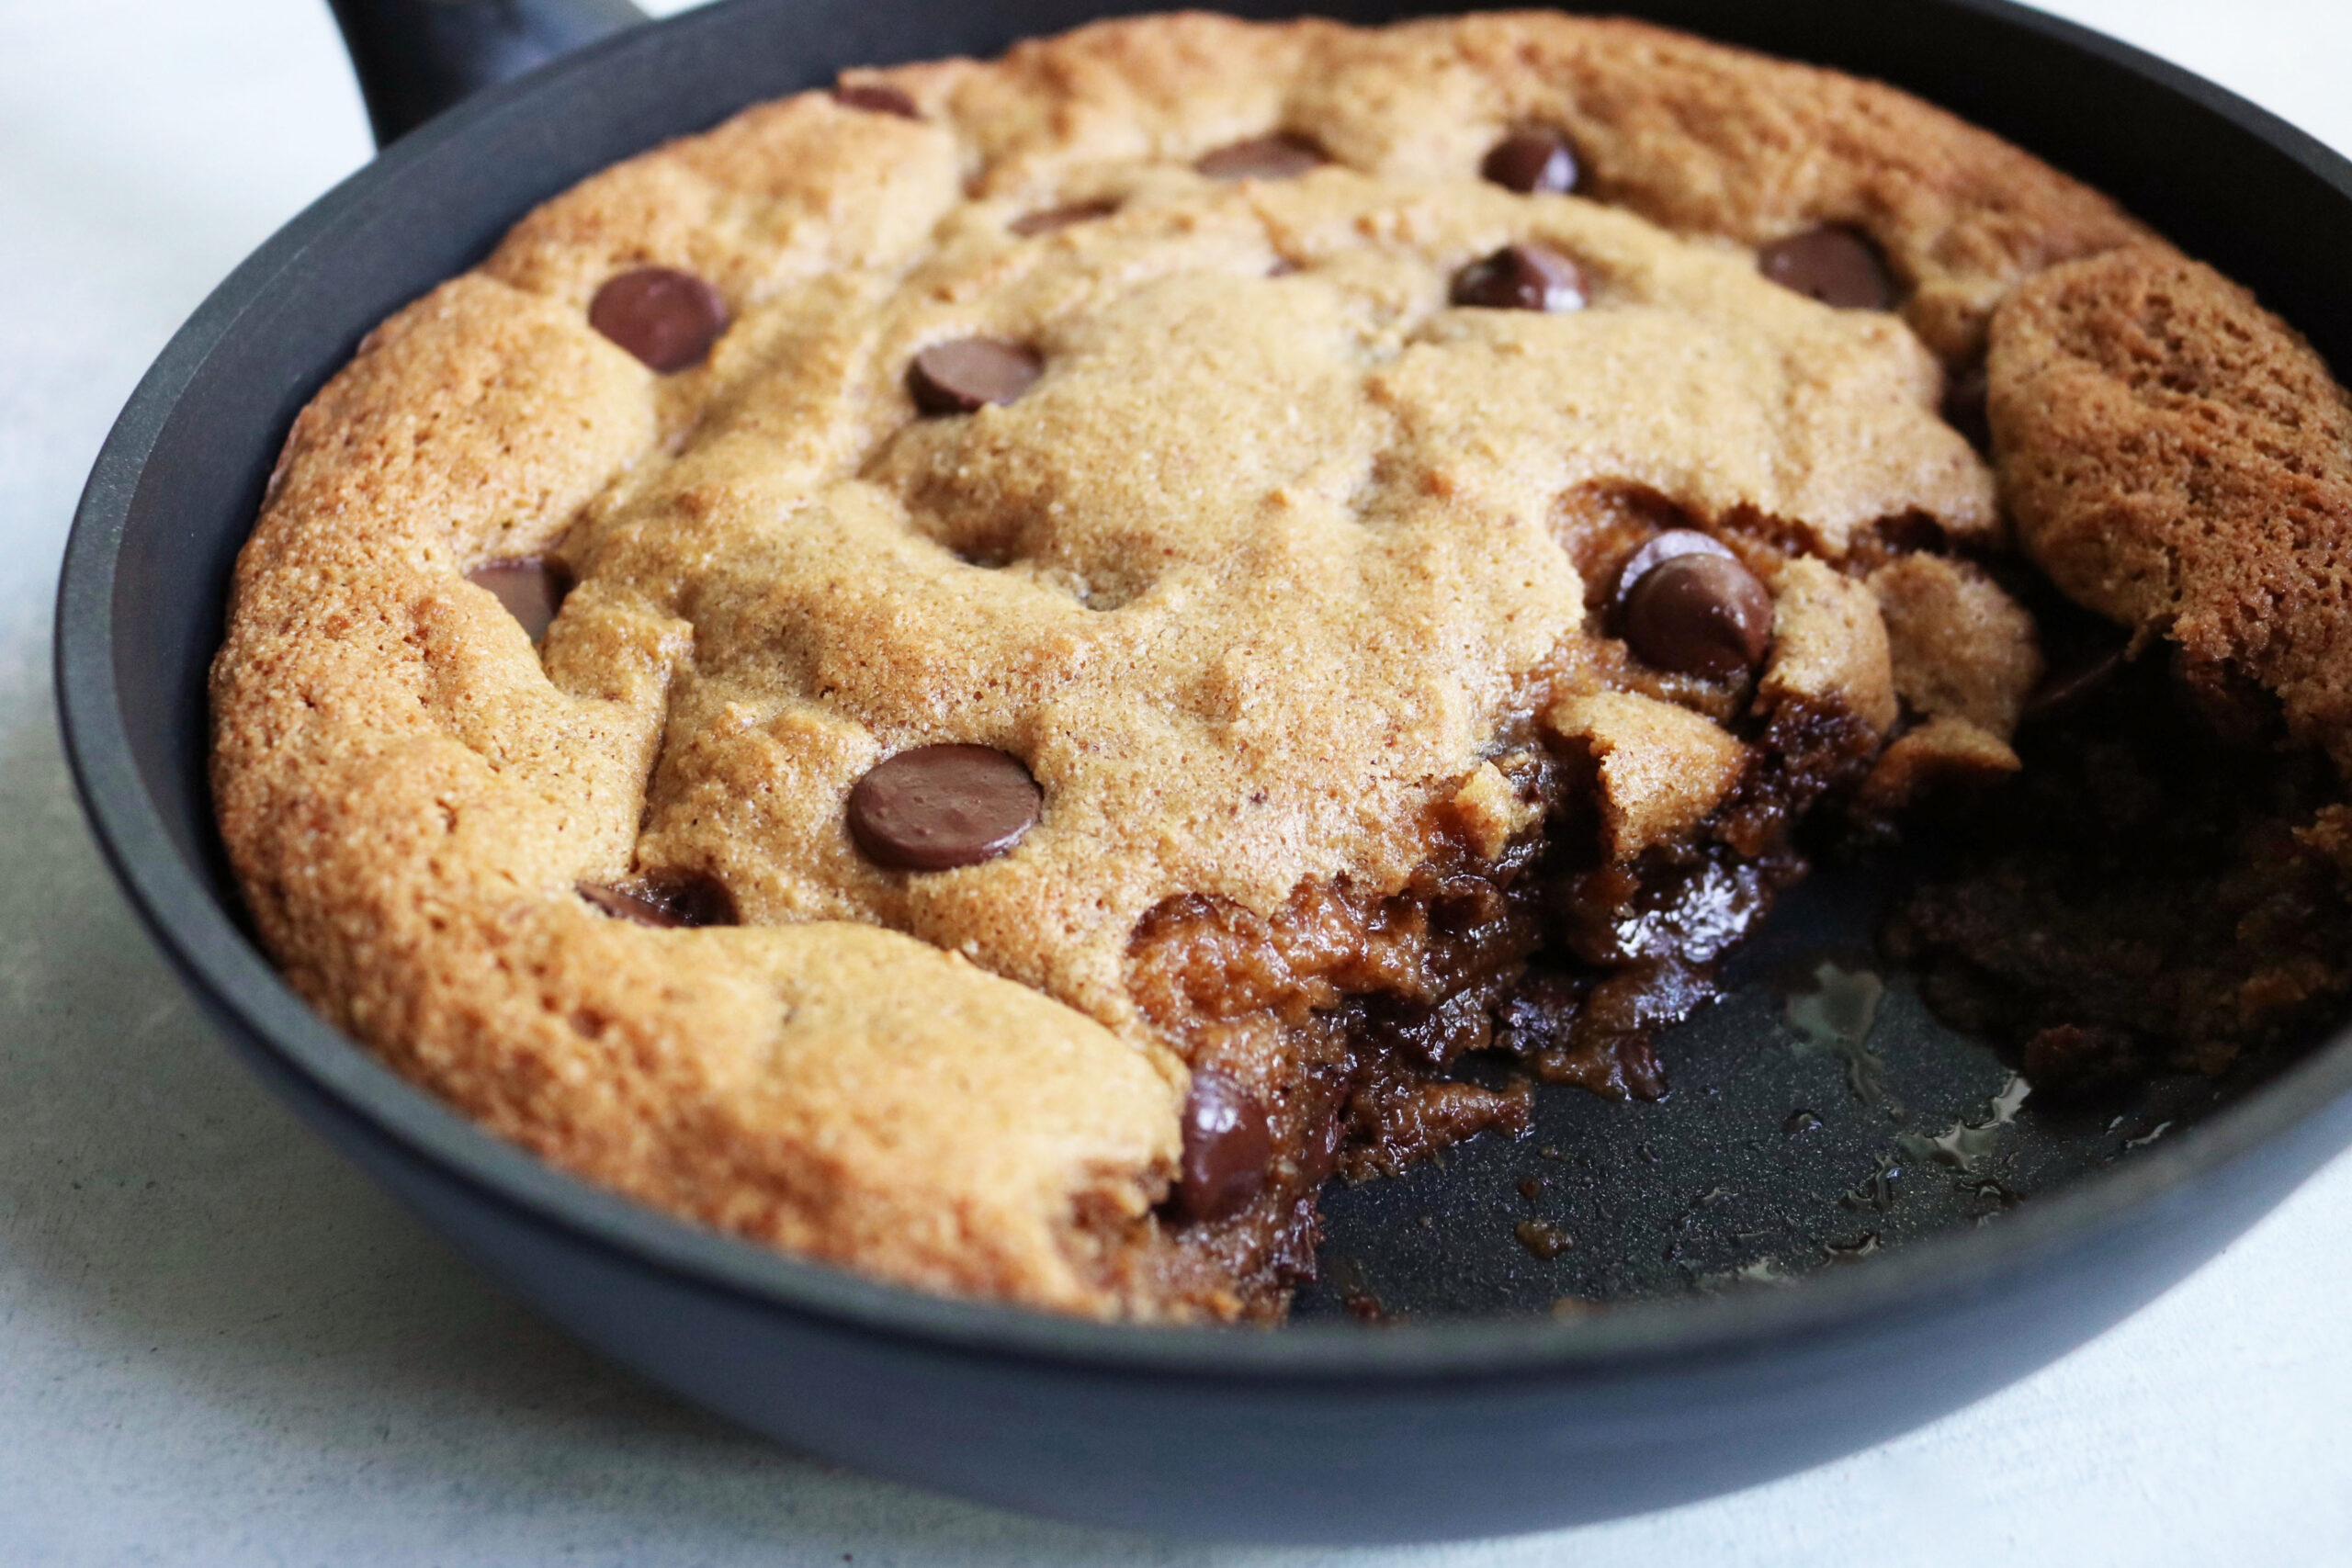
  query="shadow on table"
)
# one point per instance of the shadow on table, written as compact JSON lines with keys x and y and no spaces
{"x":168,"y":1224}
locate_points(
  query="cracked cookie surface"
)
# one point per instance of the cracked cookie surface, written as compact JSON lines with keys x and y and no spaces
{"x":1254,"y":534}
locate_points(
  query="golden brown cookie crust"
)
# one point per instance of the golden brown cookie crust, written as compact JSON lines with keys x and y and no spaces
{"x":2180,"y":460}
{"x":1250,"y":581}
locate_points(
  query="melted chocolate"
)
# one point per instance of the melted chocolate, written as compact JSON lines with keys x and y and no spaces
{"x":1374,"y":1028}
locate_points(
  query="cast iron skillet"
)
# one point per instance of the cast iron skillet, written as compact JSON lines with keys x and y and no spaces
{"x":1484,"y":1413}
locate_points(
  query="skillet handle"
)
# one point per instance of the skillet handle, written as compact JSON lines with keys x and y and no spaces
{"x":415,"y":58}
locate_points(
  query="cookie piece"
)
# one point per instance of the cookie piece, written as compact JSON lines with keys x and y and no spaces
{"x":1661,"y":770}
{"x":2179,"y":460}
{"x":1959,"y":648}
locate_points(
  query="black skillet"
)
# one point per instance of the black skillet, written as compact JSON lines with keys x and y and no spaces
{"x":1749,"y":1331}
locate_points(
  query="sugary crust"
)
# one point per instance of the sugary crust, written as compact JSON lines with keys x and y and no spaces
{"x":2180,"y":459}
{"x":1958,"y":645}
{"x":1829,"y":647}
{"x":1250,"y":580}
{"x":1661,"y":770}
{"x":1488,"y":811}
{"x":410,"y":797}
{"x":1693,"y":135}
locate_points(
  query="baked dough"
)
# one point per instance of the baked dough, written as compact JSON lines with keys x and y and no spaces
{"x":1262,"y":581}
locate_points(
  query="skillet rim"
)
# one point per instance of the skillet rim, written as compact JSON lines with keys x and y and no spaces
{"x":241,"y":990}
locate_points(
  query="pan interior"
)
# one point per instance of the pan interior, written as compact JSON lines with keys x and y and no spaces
{"x":1819,"y":1113}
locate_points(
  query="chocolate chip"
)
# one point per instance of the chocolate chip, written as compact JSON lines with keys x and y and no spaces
{"x":1227,"y":1146}
{"x":667,"y":318}
{"x":1054,"y":218}
{"x":1964,"y":406}
{"x":1833,"y":264}
{"x":532,"y":590}
{"x":1662,"y":546}
{"x":1280,"y":157}
{"x":940,"y":806}
{"x":876,"y":97}
{"x":1533,"y":163}
{"x":667,"y":902}
{"x":1699,"y":611}
{"x":959,"y":377}
{"x":1522,"y":277}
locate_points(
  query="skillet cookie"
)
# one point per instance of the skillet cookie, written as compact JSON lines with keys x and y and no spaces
{"x":991,"y":674}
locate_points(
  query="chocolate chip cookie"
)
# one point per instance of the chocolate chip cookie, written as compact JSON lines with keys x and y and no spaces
{"x":990,"y":675}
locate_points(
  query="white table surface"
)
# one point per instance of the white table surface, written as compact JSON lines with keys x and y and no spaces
{"x":218,"y":1345}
